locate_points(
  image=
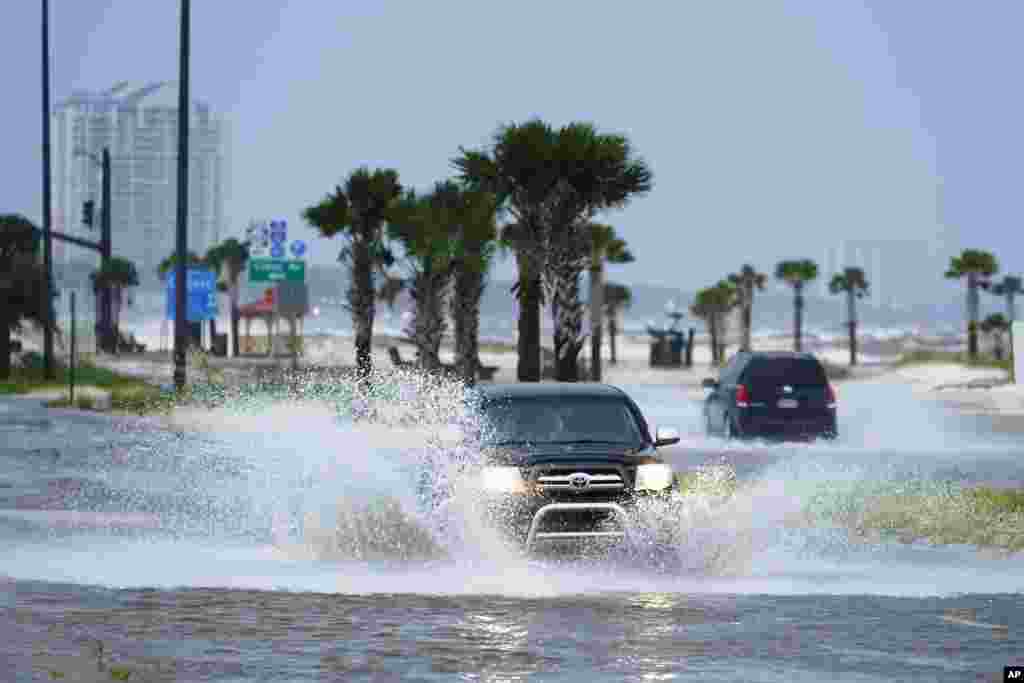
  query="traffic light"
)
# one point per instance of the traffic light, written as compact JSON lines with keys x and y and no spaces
{"x":87,"y":210}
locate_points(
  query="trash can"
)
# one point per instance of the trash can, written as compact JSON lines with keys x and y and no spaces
{"x":220,"y":345}
{"x":676,"y":350}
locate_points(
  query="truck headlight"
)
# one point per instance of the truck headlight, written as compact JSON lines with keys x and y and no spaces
{"x":653,"y":477}
{"x":503,"y":480}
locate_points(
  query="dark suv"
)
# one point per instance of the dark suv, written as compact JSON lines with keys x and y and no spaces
{"x":781,"y":395}
{"x":565,"y":462}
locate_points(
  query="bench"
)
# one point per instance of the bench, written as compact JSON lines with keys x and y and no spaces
{"x":486,"y":372}
{"x":396,"y":358}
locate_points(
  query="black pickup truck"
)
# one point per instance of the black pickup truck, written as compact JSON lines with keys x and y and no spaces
{"x":566,"y":462}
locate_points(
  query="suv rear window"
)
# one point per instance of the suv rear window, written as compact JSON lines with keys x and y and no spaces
{"x":779,"y":371}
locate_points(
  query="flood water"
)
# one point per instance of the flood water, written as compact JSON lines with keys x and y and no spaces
{"x":286,"y":542}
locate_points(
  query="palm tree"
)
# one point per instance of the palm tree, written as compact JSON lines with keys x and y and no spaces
{"x":475,"y":248}
{"x":853,"y":283}
{"x":606,"y":247}
{"x":746,"y":281}
{"x":391,"y":287}
{"x":797,"y":274}
{"x":616,"y":299}
{"x":170,"y":262}
{"x":519,"y":170}
{"x":115,"y":276}
{"x":22,"y":284}
{"x":976,"y":267}
{"x":1009,"y":288}
{"x":596,"y":172}
{"x":358,"y":212}
{"x":426,"y":226}
{"x":711,"y":305}
{"x":232,"y":256}
{"x":996,"y":325}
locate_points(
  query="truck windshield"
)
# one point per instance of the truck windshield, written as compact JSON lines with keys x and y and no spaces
{"x":561,"y":420}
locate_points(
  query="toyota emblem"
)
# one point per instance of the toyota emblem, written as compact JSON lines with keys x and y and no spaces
{"x":579,"y":481}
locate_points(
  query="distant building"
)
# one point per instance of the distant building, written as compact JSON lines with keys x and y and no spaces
{"x":139,"y":124}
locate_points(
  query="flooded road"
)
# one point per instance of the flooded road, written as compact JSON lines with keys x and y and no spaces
{"x":285,"y":543}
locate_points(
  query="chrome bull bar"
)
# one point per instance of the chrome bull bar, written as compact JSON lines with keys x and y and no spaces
{"x":534,"y":535}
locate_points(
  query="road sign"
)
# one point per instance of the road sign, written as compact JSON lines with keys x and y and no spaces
{"x":201,"y":289}
{"x":278,"y":232}
{"x":273,"y":270}
{"x":298,"y":248}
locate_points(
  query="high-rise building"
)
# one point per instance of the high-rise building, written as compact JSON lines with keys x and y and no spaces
{"x":139,"y":125}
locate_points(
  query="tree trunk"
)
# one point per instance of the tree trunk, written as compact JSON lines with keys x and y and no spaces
{"x":428,"y":323}
{"x":568,"y":257}
{"x":713,"y":332}
{"x":5,"y":349}
{"x":567,"y":317}
{"x":747,"y":312}
{"x":798,"y":316}
{"x":530,"y":298}
{"x":111,"y":333}
{"x":851,"y":317}
{"x":98,"y":324}
{"x":233,"y":295}
{"x":613,"y":332}
{"x":469,"y":289}
{"x":115,"y":314}
{"x":361,"y":301}
{"x":972,"y":317}
{"x":596,"y":315}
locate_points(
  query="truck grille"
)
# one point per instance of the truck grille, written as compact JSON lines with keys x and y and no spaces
{"x":580,"y":481}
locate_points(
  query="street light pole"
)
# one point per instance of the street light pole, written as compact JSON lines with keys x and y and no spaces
{"x":49,"y":370}
{"x":184,"y":111}
{"x":105,"y":298}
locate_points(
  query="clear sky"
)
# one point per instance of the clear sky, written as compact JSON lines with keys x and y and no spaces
{"x":775,"y":129}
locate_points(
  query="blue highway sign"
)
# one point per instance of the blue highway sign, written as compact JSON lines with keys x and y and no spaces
{"x":202,"y":294}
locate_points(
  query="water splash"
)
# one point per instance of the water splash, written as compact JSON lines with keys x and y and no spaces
{"x":318,"y":483}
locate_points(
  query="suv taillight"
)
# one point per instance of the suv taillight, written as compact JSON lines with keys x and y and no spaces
{"x":742,"y":396}
{"x":830,"y":393}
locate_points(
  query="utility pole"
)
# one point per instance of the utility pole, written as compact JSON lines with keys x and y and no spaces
{"x":49,"y":369}
{"x":106,"y":311}
{"x":181,"y":300}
